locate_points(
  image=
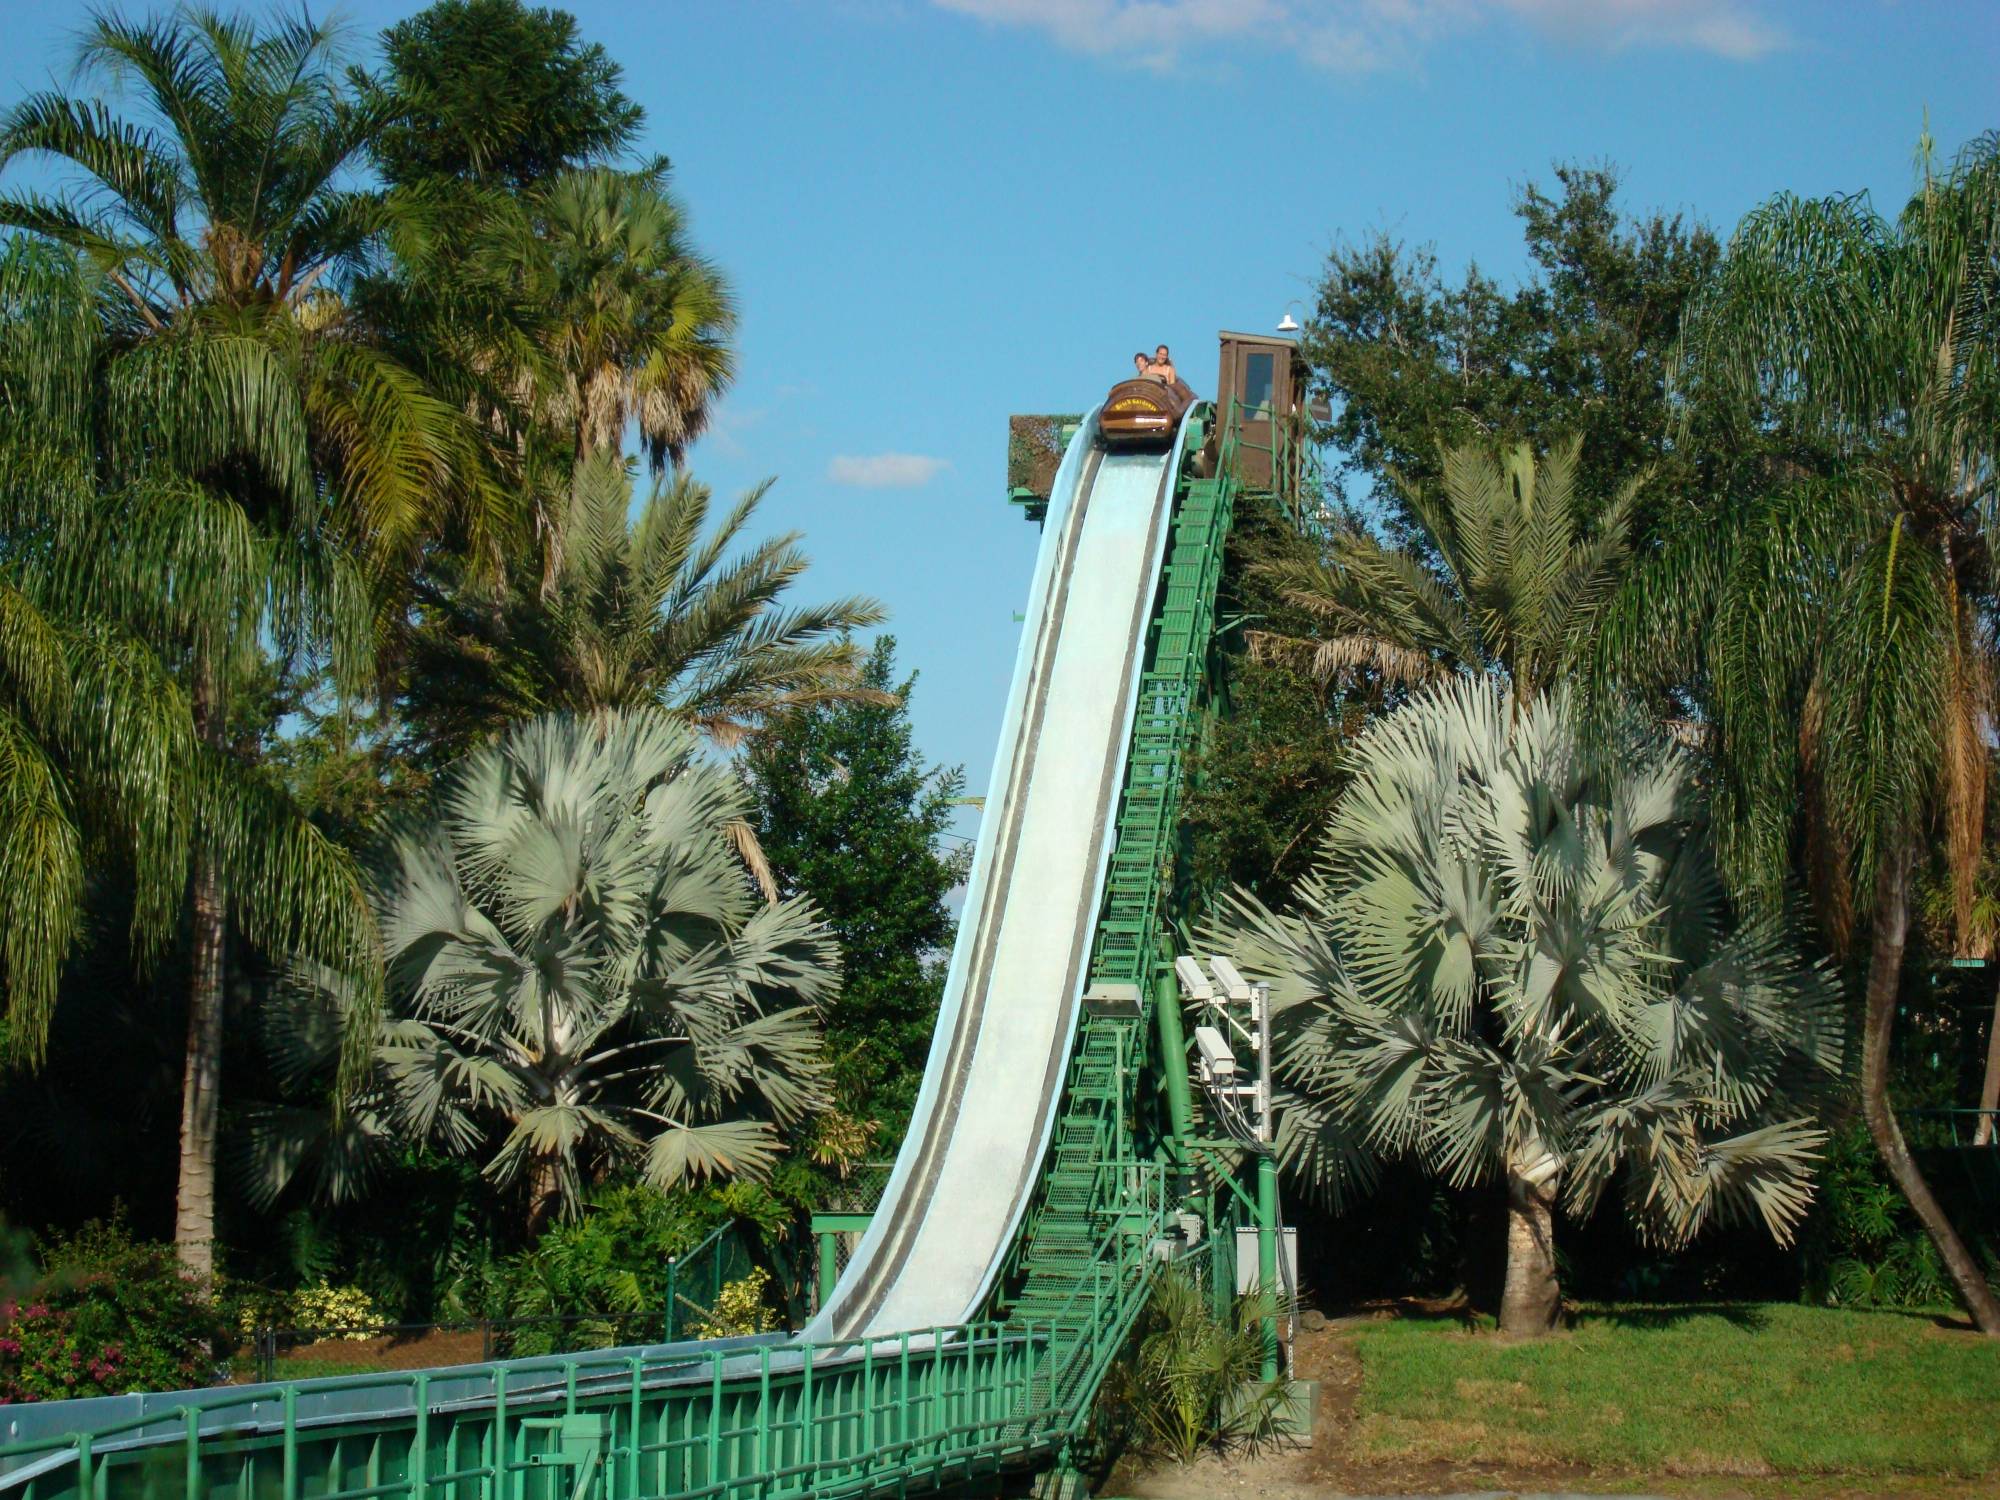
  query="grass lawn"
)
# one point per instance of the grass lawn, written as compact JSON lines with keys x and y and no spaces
{"x":1728,"y":1389}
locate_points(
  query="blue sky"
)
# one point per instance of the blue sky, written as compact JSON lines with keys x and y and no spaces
{"x":935,"y":214}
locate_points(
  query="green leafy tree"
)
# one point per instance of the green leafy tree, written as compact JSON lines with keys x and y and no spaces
{"x":1504,"y":575}
{"x":1842,"y":619}
{"x":582,"y":979}
{"x":1515,"y":960}
{"x":1417,"y":364}
{"x":497,"y":93}
{"x":261,"y":462}
{"x":851,"y":818}
{"x":1264,"y":773}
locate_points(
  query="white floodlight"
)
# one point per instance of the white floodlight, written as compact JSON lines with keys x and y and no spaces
{"x":1234,"y":986}
{"x":1194,"y":983}
{"x":1217,"y":1061}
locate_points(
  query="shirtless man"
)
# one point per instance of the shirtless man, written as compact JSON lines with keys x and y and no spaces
{"x":1141,"y":366}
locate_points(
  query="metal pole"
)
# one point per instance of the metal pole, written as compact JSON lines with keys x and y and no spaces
{"x":829,"y":1265}
{"x":1267,"y":1182}
{"x":1173,"y":1062}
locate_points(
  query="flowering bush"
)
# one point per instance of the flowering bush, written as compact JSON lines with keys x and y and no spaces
{"x":740,"y":1309}
{"x":346,"y":1310}
{"x":109,"y":1314}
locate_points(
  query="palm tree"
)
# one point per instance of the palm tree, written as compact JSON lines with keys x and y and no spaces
{"x":581,"y":979}
{"x":1843,"y":622}
{"x":95,"y":737}
{"x":1510,"y":577}
{"x":1515,"y":959}
{"x":261,"y":462}
{"x":645,"y":611}
{"x":623,"y":322}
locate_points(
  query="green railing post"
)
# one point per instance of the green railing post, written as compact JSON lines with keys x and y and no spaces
{"x":636,"y":1419}
{"x":1173,"y":1063}
{"x":764,"y":1417}
{"x":289,"y":1477}
{"x":420,"y":1444}
{"x":714,"y":1419}
{"x":502,"y":1485}
{"x":829,"y":1264}
{"x":1267,"y":1255}
{"x":808,"y":1434}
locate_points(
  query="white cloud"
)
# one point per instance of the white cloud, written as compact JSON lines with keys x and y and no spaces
{"x":1726,"y":28}
{"x":1370,"y":35}
{"x":885,"y":471}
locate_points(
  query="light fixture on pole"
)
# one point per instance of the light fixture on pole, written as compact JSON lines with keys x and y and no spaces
{"x":1288,"y":323}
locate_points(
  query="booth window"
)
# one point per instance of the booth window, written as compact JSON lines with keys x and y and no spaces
{"x":1258,"y":372}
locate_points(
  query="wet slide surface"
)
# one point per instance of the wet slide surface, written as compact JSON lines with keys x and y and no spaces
{"x":1008,"y":1015}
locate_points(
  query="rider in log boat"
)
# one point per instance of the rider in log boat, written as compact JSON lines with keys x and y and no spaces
{"x":1145,"y":411}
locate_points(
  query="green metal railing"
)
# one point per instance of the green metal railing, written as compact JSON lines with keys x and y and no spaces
{"x":741,"y":1419}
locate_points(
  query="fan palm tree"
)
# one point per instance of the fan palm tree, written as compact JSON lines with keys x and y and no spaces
{"x":261,"y":463}
{"x":1515,"y":960}
{"x":1511,"y":578}
{"x":580,"y":976}
{"x":645,"y":611}
{"x":1843,"y":623}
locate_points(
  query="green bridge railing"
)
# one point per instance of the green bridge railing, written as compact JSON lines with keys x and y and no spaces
{"x":737,"y":1419}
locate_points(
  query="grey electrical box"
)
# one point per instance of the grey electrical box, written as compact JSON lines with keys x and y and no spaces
{"x":1288,"y":1261}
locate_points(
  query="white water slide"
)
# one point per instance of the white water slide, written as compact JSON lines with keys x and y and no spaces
{"x":1008,"y":1016}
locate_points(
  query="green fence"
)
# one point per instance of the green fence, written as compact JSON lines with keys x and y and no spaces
{"x":695,"y":1281}
{"x":742,"y":1419}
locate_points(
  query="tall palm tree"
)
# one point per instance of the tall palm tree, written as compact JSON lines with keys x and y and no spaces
{"x":1515,"y":960}
{"x":95,"y":736}
{"x":1843,"y":623}
{"x":645,"y":610}
{"x":625,"y":322}
{"x":263,"y":463}
{"x":579,"y":976}
{"x":1511,"y":578}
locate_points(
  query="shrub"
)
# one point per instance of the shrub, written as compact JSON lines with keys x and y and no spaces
{"x":109,"y":1314}
{"x":1193,"y":1381}
{"x":347,"y":1310}
{"x":740,"y":1310}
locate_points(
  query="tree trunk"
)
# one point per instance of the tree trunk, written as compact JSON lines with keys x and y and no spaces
{"x":201,"y":1080}
{"x":544,"y":1196}
{"x":1989,"y":1088}
{"x":1885,"y":971}
{"x":1531,"y":1298}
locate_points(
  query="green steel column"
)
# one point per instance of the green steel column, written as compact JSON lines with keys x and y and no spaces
{"x":829,"y":1265}
{"x":1267,"y":1254}
{"x":1267,"y":1181}
{"x":1173,"y":1062}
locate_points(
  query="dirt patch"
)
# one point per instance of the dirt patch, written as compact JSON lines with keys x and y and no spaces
{"x":437,"y":1346}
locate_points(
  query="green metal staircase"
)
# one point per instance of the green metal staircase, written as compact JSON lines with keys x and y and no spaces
{"x":766,"y":1419}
